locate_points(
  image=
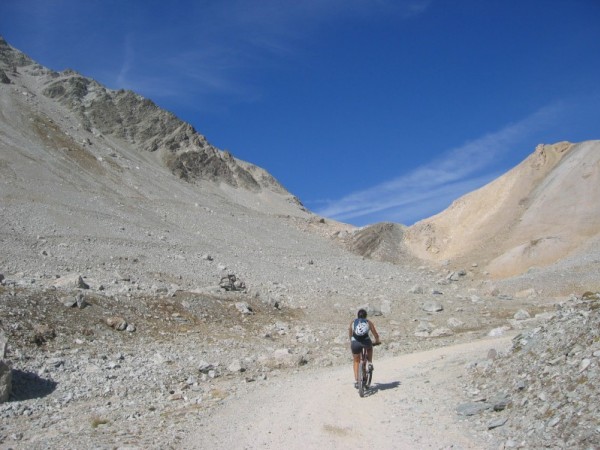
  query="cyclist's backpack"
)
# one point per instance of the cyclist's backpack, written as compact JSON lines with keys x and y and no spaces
{"x":361,"y":327}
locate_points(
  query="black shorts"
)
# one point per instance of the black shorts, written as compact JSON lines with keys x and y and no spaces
{"x":357,"y":346}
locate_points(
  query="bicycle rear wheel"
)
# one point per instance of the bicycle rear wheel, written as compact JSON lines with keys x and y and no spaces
{"x":369,"y":378}
{"x":361,"y":379}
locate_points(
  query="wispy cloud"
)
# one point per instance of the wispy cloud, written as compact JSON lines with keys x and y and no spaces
{"x":233,"y":40}
{"x":208,"y":53}
{"x":429,"y":188}
{"x":128,"y":61}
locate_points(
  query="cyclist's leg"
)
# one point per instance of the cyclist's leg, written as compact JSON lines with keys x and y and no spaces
{"x":370,"y":354}
{"x":356,"y":348}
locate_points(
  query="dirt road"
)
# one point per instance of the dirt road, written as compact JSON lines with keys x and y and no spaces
{"x":411,"y":406}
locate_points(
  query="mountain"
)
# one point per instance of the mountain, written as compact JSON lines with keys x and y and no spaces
{"x":129,"y":120}
{"x":110,"y":150}
{"x":92,"y":176}
{"x":538,"y":213}
{"x":116,"y":160}
{"x":534,"y":225}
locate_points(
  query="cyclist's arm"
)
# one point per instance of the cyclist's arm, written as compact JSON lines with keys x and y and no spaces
{"x":350,"y":331}
{"x":374,"y":330}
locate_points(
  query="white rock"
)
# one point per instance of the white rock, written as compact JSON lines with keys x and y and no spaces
{"x":498,"y":331}
{"x":585,"y":363}
{"x":522,"y":315}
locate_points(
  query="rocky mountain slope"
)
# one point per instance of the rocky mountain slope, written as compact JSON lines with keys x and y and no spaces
{"x":136,"y":122}
{"x":146,"y":276}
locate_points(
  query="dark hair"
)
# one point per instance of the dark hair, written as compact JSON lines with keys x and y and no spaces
{"x":362,"y":313}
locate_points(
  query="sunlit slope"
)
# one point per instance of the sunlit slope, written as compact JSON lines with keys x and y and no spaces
{"x":537,"y":213}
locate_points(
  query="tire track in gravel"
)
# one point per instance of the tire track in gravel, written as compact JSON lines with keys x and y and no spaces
{"x":411,"y":406}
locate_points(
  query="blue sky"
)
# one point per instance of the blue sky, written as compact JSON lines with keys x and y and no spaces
{"x":367,"y":110}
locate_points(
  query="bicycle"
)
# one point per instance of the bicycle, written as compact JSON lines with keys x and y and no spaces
{"x":365,"y":374}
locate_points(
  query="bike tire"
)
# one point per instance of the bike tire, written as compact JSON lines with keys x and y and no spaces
{"x":361,"y":380}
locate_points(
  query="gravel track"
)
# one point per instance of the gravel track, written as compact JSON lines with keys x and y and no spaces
{"x":410,"y":405}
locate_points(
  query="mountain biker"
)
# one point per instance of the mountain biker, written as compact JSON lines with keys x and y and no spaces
{"x":359,"y":337}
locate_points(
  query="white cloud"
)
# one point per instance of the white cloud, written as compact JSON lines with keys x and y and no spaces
{"x":128,"y":60}
{"x":456,"y":172}
{"x":234,"y":38}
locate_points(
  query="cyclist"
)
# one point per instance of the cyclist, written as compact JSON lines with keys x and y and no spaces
{"x":359,"y":337}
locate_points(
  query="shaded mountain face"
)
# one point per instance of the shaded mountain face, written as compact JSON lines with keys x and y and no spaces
{"x":540,"y":212}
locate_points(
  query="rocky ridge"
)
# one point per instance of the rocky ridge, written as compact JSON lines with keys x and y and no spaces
{"x":138,"y":121}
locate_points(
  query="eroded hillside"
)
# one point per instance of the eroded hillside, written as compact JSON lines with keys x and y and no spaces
{"x":537,"y":214}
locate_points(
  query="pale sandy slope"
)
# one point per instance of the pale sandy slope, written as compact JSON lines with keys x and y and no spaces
{"x":541,"y":211}
{"x":412,"y":405}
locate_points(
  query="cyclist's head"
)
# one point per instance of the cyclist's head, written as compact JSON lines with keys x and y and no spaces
{"x":362,"y":313}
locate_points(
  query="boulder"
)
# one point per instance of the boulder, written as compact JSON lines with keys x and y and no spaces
{"x":5,"y":370}
{"x":281,"y":358}
{"x":244,"y":308}
{"x":522,"y":315}
{"x":416,"y":290}
{"x":432,"y":307}
{"x":236,"y":366}
{"x":498,"y":331}
{"x":81,"y":302}
{"x":472,"y":408}
{"x":232,"y":283}
{"x":5,"y":380}
{"x":441,"y":332}
{"x":4,"y":78}
{"x":118,"y":323}
{"x":42,"y":333}
{"x":77,"y":301}
{"x":527,"y":293}
{"x":423,"y":329}
{"x":453,"y":322}
{"x":3,"y":344}
{"x":74,"y":281}
{"x":205,"y":367}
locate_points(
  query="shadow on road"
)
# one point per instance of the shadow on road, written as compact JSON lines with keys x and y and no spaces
{"x":386,"y":386}
{"x":381,"y":387}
